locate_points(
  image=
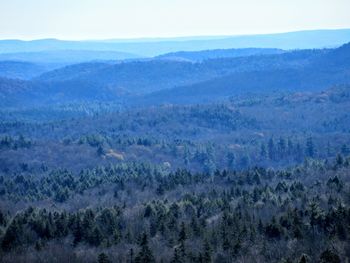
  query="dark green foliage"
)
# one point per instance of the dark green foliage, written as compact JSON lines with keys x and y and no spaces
{"x":226,"y":135}
{"x":329,"y":256}
{"x":310,"y":148}
{"x":207,"y":252}
{"x":145,"y":254}
{"x":103,"y":258}
{"x":224,"y":221}
{"x":8,"y":142}
{"x":303,"y":259}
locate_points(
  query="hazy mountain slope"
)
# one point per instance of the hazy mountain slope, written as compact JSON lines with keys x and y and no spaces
{"x":157,"y":81}
{"x":248,"y":82}
{"x":338,"y":58}
{"x":66,"y":56}
{"x":21,"y":70}
{"x":10,"y":86}
{"x":72,"y":71}
{"x":151,"y":75}
{"x":132,"y":76}
{"x":14,"y":92}
{"x":219,"y":53}
{"x":330,"y":68}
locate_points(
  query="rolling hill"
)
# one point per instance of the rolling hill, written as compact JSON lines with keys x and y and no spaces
{"x":158,"y":81}
{"x":65,"y":57}
{"x":218,"y":53}
{"x":21,"y":70}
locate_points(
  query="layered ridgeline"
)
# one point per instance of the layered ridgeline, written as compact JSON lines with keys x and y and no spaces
{"x":160,"y":80}
{"x":220,"y":155}
{"x":157,"y":46}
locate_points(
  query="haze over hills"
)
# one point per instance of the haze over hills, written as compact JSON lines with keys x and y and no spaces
{"x":48,"y":54}
{"x":212,"y":138}
{"x":153,"y":47}
{"x":218,"y":53}
{"x":193,"y":150}
{"x":64,"y":57}
{"x":157,"y":81}
{"x":313,"y":73}
{"x":22,"y":70}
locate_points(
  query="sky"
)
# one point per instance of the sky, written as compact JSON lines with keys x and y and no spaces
{"x":114,"y":19}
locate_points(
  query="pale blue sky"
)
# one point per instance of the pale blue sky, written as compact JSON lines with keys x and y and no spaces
{"x":105,"y":19}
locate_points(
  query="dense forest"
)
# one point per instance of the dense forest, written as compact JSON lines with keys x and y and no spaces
{"x":269,"y":131}
{"x":225,"y":155}
{"x":142,"y":213}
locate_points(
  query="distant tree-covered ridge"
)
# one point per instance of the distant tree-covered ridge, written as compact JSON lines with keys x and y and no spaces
{"x":157,"y":81}
{"x":265,"y":130}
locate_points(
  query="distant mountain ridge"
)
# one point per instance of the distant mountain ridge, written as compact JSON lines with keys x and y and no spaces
{"x":154,"y":47}
{"x":67,"y":56}
{"x":322,"y":71}
{"x":157,"y":74}
{"x":219,"y":53}
{"x":161,"y":81}
{"x":21,"y":70}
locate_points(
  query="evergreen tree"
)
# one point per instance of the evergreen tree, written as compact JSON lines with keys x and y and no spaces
{"x":303,"y":259}
{"x":207,"y":252}
{"x":131,"y":256}
{"x":244,"y":161}
{"x":176,"y":258}
{"x":271,"y":149}
{"x":77,"y":232}
{"x":100,"y":151}
{"x":182,"y":239}
{"x":182,"y":233}
{"x":282,"y":147}
{"x":345,"y":150}
{"x":12,"y":235}
{"x":290,"y":146}
{"x":96,"y":237}
{"x":103,"y":258}
{"x":145,"y":255}
{"x":339,"y":160}
{"x":310,"y":148}
{"x":329,"y":256}
{"x":299,"y":153}
{"x":328,"y":149}
{"x":231,"y":160}
{"x":315,"y":214}
{"x":263,"y":151}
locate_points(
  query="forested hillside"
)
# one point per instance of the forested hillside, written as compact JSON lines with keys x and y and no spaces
{"x":237,"y":155}
{"x":219,"y":53}
{"x":20,"y":70}
{"x":275,"y":130}
{"x":138,"y":213}
{"x":157,"y":81}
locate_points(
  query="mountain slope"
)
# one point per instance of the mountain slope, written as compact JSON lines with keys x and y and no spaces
{"x":64,"y":57}
{"x":219,"y":53}
{"x":322,"y":71}
{"x":156,"y":74}
{"x":158,"y":81}
{"x":21,"y":70}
